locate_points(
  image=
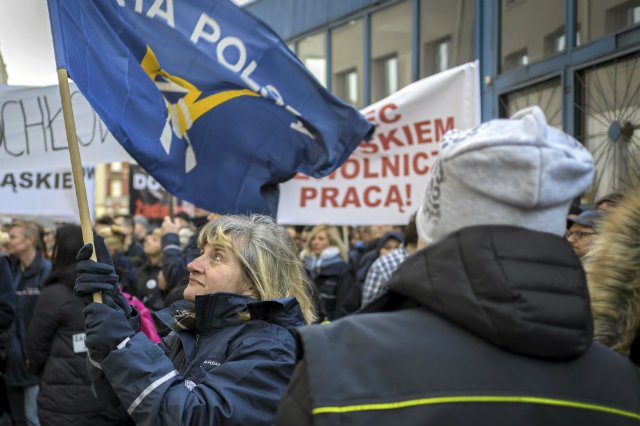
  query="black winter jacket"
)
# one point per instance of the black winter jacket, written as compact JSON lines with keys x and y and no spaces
{"x":333,"y":281}
{"x":490,"y":326}
{"x":56,"y":353}
{"x":147,"y":281}
{"x":7,"y":309}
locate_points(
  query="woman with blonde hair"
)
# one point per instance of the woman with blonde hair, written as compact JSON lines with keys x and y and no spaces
{"x":231,"y":353}
{"x":324,"y":258}
{"x":612,"y":266}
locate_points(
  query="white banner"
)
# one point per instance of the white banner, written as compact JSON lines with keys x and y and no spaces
{"x":44,"y":194}
{"x":383,"y":181}
{"x":32,"y":135}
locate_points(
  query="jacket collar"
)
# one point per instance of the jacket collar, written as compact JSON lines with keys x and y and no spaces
{"x":220,"y":310}
{"x":522,"y":290}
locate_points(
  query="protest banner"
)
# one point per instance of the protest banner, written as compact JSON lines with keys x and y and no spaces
{"x":49,"y":193}
{"x":149,"y":199}
{"x":383,"y":181}
{"x":32,"y":133}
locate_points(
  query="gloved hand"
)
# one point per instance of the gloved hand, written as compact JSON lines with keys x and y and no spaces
{"x":98,"y":276}
{"x":106,"y":328}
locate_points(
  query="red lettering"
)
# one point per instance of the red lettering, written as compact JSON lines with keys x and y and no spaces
{"x":392,"y":117}
{"x":300,"y":176}
{"x":416,"y":167}
{"x":407,"y":133}
{"x":368,"y":147}
{"x":368,"y":174}
{"x":441,"y":129}
{"x":394,"y":197}
{"x":138,"y":209}
{"x":351,"y":197}
{"x":307,"y":194}
{"x":385,"y":140}
{"x":368,"y":201}
{"x":370,"y":116}
{"x":356,"y":169}
{"x":423,"y":130}
{"x":329,"y":195}
{"x":390,"y":166}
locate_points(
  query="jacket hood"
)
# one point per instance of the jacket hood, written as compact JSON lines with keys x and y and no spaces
{"x":612,"y":266}
{"x":219,"y":310}
{"x":522,"y":290}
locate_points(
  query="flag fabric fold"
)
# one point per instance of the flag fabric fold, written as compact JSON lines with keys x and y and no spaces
{"x":205,"y":97}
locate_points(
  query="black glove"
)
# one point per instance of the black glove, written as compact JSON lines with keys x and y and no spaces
{"x":98,"y":276}
{"x":106,"y":328}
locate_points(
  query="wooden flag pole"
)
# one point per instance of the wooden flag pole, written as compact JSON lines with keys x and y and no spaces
{"x":345,"y":237}
{"x":171,"y":202}
{"x":76,"y":166}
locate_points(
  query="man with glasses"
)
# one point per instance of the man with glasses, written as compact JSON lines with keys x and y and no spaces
{"x":581,"y":233}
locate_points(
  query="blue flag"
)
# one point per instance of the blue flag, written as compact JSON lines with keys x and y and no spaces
{"x":205,"y":97}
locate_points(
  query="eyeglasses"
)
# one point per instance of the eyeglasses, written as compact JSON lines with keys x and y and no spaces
{"x":578,"y":235}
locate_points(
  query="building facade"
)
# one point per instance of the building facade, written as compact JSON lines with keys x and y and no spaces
{"x":576,"y":59}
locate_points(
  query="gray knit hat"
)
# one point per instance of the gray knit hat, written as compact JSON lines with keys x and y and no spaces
{"x":518,"y":172}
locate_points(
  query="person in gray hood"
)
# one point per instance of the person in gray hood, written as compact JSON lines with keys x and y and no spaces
{"x":491,"y":323}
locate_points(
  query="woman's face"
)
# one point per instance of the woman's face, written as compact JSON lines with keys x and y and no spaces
{"x":152,"y":244}
{"x":319,"y":242}
{"x":217,"y":269}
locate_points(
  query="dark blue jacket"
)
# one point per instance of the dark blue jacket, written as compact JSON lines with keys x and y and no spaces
{"x":225,"y":372}
{"x":175,"y":259}
{"x":26,"y":285}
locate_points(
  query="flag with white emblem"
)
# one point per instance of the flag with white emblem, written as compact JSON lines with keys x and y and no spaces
{"x":205,"y":97}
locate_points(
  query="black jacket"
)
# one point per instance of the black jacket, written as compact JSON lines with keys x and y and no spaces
{"x":7,"y":309}
{"x":333,"y":281}
{"x":490,"y":326}
{"x":147,"y":281}
{"x":56,"y":353}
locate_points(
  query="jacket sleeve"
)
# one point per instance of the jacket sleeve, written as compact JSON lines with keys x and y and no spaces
{"x":175,"y":260}
{"x":7,"y":307}
{"x":244,"y":390}
{"x":295,"y":407}
{"x":42,"y":328}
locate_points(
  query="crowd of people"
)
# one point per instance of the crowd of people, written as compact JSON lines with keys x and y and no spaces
{"x":503,"y":300}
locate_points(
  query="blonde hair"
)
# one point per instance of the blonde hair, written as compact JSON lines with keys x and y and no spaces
{"x":612,"y":266}
{"x":113,"y":238}
{"x":267,"y":256}
{"x":334,"y":240}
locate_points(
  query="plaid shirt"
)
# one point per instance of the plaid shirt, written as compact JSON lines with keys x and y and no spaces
{"x":375,"y":284}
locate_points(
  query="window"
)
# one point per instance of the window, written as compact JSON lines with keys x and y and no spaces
{"x":311,"y":52}
{"x":518,"y":34}
{"x":547,"y":95}
{"x":446,"y":38}
{"x":115,"y":189}
{"x":609,"y":113}
{"x":385,"y":71}
{"x":555,"y":42}
{"x":516,"y":59}
{"x":597,"y":18}
{"x":347,"y":85}
{"x":390,"y":50}
{"x":347,"y":62}
{"x":437,"y":55}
